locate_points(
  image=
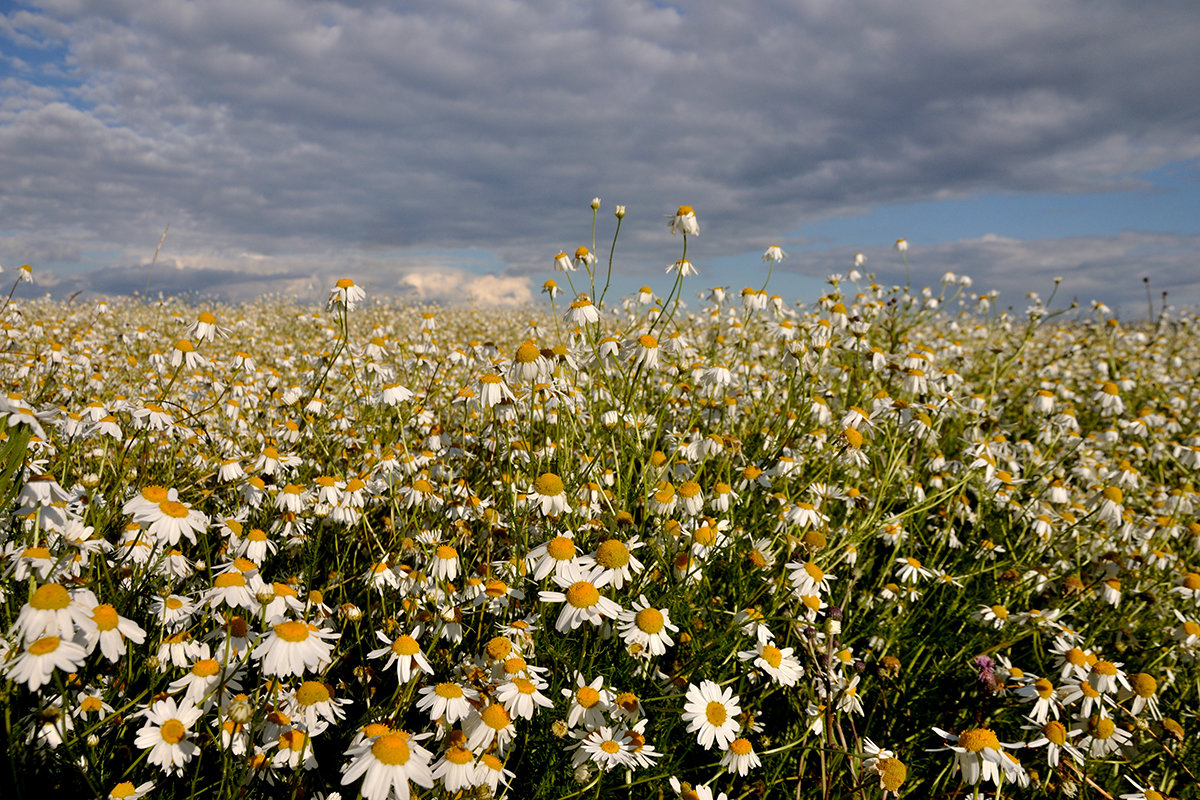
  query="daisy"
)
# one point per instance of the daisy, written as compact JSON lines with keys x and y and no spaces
{"x":980,"y":756}
{"x":387,"y":764}
{"x":548,"y":493}
{"x":293,"y":750}
{"x":51,"y":611}
{"x":125,"y":790}
{"x":172,"y":520}
{"x":490,"y":724}
{"x":646,"y":628}
{"x":808,"y":578}
{"x":589,"y":702}
{"x":313,"y":702}
{"x":1101,"y":736}
{"x":1054,"y":738}
{"x":685,"y":222}
{"x":779,"y":664}
{"x":41,"y":657}
{"x":603,"y":747}
{"x":449,"y":702}
{"x":165,"y":734}
{"x":292,"y":647}
{"x":891,"y":770}
{"x":740,"y":757}
{"x":688,"y":792}
{"x":521,"y":696}
{"x":553,"y":556}
{"x":709,"y":712}
{"x":582,"y":601}
{"x":491,"y":773}
{"x":456,"y":769}
{"x":346,"y":294}
{"x":614,"y":561}
{"x":445,"y":564}
{"x":405,"y":653}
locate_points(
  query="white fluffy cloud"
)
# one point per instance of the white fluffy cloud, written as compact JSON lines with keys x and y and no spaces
{"x":315,"y":130}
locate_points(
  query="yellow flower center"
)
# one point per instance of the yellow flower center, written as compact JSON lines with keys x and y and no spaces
{"x":684,"y":211}
{"x":343,"y":284}
{"x":123,"y":789}
{"x":715,"y":713}
{"x":449,"y":691}
{"x":499,"y":648}
{"x":1143,"y":685}
{"x":649,"y":620}
{"x":446,"y":552}
{"x":1055,"y":732}
{"x":1075,"y":657}
{"x":1191,"y":582}
{"x":583,"y":594}
{"x":772,"y":655}
{"x":43,"y":646}
{"x":173,"y":509}
{"x":978,"y":739}
{"x":647,"y":342}
{"x":495,"y":717}
{"x":853,"y":437}
{"x":609,"y":746}
{"x":586,"y":696}
{"x":528,"y":353}
{"x":740,"y":747}
{"x":1104,"y":668}
{"x":612,"y":554}
{"x":892,"y":773}
{"x":229,"y":579}
{"x":292,"y":631}
{"x":155,"y":494}
{"x":173,"y":731}
{"x":311,"y":693}
{"x":458,"y":755}
{"x":689,"y":489}
{"x":548,"y":485}
{"x":524,"y":685}
{"x":50,"y":597}
{"x":1044,"y":688}
{"x":391,"y":749}
{"x":560,"y":548}
{"x":405,"y":645}
{"x":206,"y":668}
{"x":1101,"y":727}
{"x":1112,"y":493}
{"x":814,"y":572}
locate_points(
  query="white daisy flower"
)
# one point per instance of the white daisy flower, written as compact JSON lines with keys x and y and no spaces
{"x":709,"y":713}
{"x":387,"y":764}
{"x":165,"y":734}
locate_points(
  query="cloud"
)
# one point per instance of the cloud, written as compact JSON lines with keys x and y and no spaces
{"x":1090,"y":267}
{"x":298,"y":129}
{"x":456,"y":287}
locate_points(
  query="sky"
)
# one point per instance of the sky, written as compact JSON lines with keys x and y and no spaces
{"x":446,"y":150}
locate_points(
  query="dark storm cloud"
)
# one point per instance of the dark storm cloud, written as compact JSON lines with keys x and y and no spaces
{"x":321,"y":130}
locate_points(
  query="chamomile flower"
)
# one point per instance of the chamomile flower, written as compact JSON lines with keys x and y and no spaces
{"x":980,"y":756}
{"x":647,"y":628}
{"x":293,"y":648}
{"x":388,"y":763}
{"x":582,"y":601}
{"x":685,"y":222}
{"x":549,"y":494}
{"x":166,"y":734}
{"x":710,"y":713}
{"x":405,"y":652}
{"x":779,"y":663}
{"x":35,"y":666}
{"x":446,"y":701}
{"x":346,"y":294}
